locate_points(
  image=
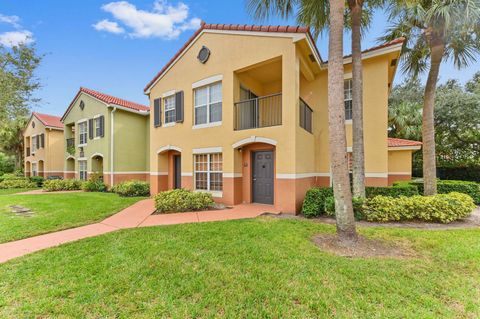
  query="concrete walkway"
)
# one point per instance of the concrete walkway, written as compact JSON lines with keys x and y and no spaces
{"x":137,"y":215}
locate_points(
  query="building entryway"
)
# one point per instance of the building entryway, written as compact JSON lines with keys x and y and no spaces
{"x":177,"y":171}
{"x":262,"y":177}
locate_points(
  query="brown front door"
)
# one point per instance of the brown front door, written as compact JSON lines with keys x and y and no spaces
{"x":262,"y":177}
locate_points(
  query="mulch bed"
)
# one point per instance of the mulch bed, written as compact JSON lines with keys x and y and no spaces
{"x":363,"y":248}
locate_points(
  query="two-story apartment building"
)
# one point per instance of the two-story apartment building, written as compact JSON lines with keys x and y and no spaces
{"x":107,"y":136}
{"x":43,"y":146}
{"x":241,"y":112}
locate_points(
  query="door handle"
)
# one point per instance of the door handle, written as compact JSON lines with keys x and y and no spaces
{"x":254,"y":179}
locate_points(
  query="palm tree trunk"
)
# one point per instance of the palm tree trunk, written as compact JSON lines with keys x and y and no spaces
{"x":428,"y":130}
{"x":336,"y":125}
{"x":357,"y":100}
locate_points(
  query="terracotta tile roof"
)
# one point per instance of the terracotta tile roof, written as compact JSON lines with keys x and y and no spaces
{"x":49,"y":120}
{"x":232,"y":27}
{"x":107,"y":99}
{"x":398,"y":142}
{"x":379,"y":47}
{"x":115,"y":100}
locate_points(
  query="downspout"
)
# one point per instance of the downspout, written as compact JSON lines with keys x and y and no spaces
{"x":112,"y":142}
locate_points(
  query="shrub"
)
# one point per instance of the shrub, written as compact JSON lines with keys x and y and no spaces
{"x":357,"y":207}
{"x":132,"y":188}
{"x":62,"y":185}
{"x":443,"y":208}
{"x":17,"y":183}
{"x":13,"y":177}
{"x":37,"y":180}
{"x":94,"y":184}
{"x":445,"y":187}
{"x":396,"y":191}
{"x":314,"y":202}
{"x":181,"y":200}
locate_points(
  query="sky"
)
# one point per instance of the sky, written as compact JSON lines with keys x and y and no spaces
{"x":116,"y":47}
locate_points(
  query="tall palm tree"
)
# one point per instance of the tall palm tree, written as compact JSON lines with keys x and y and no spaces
{"x":318,"y":14}
{"x":435,"y":30}
{"x":336,"y":125}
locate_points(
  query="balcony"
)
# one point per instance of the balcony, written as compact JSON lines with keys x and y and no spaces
{"x":28,"y":151}
{"x":71,"y":146}
{"x":264,"y":111}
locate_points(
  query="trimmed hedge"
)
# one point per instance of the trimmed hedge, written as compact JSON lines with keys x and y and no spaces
{"x":445,"y":187}
{"x":395,"y":191}
{"x":62,"y":185}
{"x":37,"y":180}
{"x":443,"y":208}
{"x":317,"y":200}
{"x":181,"y":200}
{"x":17,"y":183}
{"x":132,"y":189}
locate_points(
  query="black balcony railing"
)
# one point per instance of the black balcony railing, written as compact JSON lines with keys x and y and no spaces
{"x":259,"y":112}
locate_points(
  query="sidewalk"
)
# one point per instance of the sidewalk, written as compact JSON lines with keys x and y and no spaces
{"x":137,"y":215}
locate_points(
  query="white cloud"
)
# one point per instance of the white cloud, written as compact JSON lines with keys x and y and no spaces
{"x":12,"y":20}
{"x":14,"y":38}
{"x":164,"y":21}
{"x":108,"y":26}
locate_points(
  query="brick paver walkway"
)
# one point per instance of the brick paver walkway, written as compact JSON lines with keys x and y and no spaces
{"x":137,"y":215}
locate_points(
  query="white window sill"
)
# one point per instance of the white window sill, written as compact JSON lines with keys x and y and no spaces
{"x":81,"y":145}
{"x":216,"y":194}
{"x":97,"y":137}
{"x":348,"y":121}
{"x":170,"y":124}
{"x":199,"y":126}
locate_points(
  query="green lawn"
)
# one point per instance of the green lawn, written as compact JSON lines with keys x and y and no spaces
{"x":262,"y":268}
{"x":10,"y":191}
{"x":56,"y":211}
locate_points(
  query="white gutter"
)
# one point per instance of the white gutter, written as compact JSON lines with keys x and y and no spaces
{"x":112,"y":143}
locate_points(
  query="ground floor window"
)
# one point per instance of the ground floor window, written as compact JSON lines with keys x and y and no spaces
{"x":82,"y":168}
{"x":208,"y":172}
{"x":34,"y":169}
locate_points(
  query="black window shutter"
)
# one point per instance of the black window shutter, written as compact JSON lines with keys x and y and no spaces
{"x":42,"y":140}
{"x":102,"y":126}
{"x":37,"y":140}
{"x":179,"y":106}
{"x":157,"y":112}
{"x":90,"y":128}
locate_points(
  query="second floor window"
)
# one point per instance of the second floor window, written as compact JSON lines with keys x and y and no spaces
{"x":169,"y":103}
{"x":347,"y":94}
{"x":34,"y":144}
{"x":82,"y":129}
{"x":208,"y":104}
{"x":98,"y":127}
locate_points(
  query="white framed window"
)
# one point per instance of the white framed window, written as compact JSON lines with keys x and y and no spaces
{"x":82,"y":169}
{"x":208,"y":172}
{"x":169,"y":109}
{"x":34,"y":143}
{"x":82,"y":131}
{"x":34,"y":169}
{"x":98,"y":128}
{"x":347,"y":95}
{"x":208,"y":104}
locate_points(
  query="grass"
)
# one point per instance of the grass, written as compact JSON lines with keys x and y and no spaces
{"x":56,"y":212}
{"x":10,"y":191}
{"x":262,"y":268}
